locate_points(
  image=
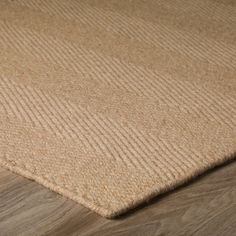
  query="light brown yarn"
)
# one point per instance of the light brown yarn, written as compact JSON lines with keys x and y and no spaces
{"x":111,"y":103}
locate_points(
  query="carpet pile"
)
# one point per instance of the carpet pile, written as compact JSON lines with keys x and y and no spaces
{"x":111,"y":103}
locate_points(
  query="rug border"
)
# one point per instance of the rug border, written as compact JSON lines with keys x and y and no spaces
{"x":108,"y":213}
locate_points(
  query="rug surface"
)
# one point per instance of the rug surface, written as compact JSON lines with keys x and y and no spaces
{"x":111,"y":103}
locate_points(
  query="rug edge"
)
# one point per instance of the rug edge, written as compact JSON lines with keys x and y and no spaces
{"x":112,"y":214}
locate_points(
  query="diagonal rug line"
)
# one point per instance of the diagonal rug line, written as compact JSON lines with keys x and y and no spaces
{"x":107,"y":131}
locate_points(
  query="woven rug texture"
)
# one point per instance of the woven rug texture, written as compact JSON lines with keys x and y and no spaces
{"x":111,"y":103}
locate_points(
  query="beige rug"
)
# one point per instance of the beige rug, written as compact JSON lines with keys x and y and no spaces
{"x":111,"y":103}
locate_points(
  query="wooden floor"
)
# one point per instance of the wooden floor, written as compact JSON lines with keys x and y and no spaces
{"x":207,"y":206}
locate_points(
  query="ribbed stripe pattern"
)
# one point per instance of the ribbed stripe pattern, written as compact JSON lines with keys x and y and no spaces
{"x":113,"y":103}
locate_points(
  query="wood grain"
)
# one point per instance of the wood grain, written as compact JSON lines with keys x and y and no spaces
{"x":207,"y":206}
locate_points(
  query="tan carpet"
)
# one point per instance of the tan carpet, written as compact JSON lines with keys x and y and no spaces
{"x":111,"y":103}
